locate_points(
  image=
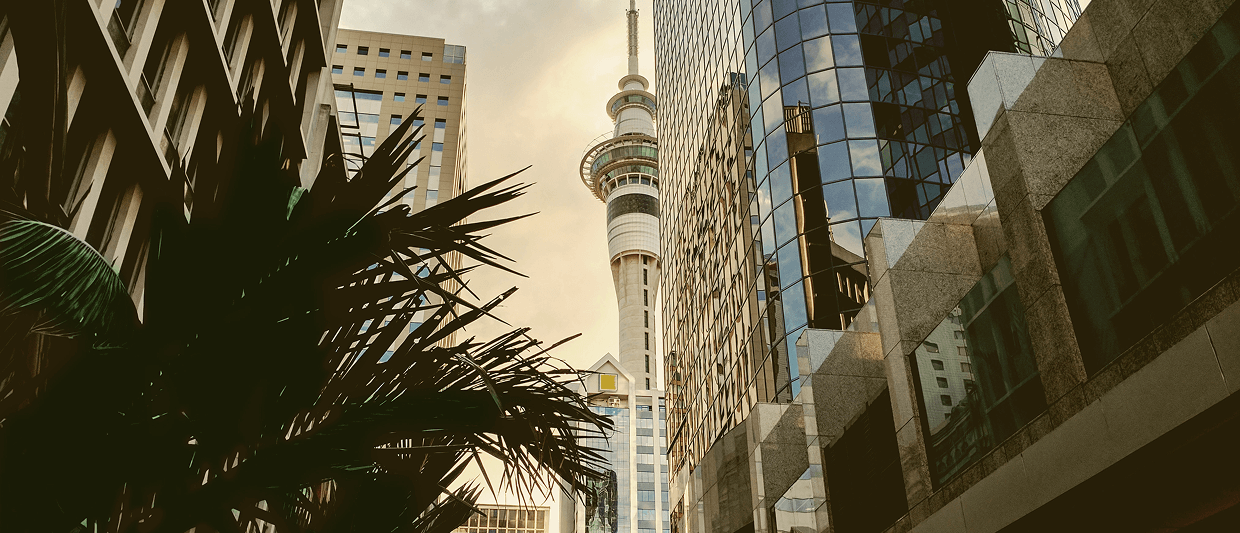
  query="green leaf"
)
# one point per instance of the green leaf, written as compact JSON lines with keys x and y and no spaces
{"x":46,"y":270}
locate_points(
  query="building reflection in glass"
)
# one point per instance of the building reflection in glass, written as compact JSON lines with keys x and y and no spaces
{"x":977,"y":378}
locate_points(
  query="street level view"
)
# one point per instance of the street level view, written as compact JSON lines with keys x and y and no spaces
{"x":858,"y":266}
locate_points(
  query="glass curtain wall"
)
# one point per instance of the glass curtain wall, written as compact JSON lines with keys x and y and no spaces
{"x":788,"y":127}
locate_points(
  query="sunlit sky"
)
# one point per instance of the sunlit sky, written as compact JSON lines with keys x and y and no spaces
{"x":539,"y":74}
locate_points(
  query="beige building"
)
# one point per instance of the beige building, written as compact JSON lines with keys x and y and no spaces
{"x":506,"y":519}
{"x":380,"y":80}
{"x":157,"y":82}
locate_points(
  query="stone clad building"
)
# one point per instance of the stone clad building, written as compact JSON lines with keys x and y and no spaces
{"x":1081,"y":255}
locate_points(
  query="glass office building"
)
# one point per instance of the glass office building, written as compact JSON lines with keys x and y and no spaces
{"x":787,"y":128}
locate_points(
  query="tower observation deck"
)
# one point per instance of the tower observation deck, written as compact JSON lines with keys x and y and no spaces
{"x":622,"y":170}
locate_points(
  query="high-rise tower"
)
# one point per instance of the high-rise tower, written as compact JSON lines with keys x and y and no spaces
{"x":623,"y":172}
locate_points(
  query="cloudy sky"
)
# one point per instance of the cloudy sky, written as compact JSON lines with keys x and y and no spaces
{"x":539,"y":73}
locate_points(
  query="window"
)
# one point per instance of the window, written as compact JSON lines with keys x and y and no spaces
{"x":942,"y":382}
{"x":427,"y":56}
{"x":965,"y":367}
{"x":398,"y":97}
{"x":645,"y":276}
{"x":647,"y":383}
{"x":386,"y":355}
{"x":647,"y":362}
{"x":342,"y":48}
{"x":931,"y":347}
{"x":945,"y":399}
{"x":443,"y":100}
{"x":441,"y":123}
{"x":402,"y":75}
{"x":359,"y":71}
{"x":395,"y":121}
{"x":936,"y":364}
{"x":384,"y":52}
{"x":645,"y":297}
{"x":363,"y":50}
{"x":380,"y":73}
{"x":445,"y":79}
{"x":337,"y":69}
{"x":959,"y":335}
{"x":406,"y":54}
{"x":647,"y":334}
{"x":607,"y":381}
{"x":420,"y":99}
{"x":645,"y":260}
{"x":646,"y":318}
{"x":453,"y":54}
{"x":424,"y":77}
{"x":962,"y":351}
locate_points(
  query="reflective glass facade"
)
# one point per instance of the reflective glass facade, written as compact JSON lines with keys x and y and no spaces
{"x":787,"y":128}
{"x":636,"y":450}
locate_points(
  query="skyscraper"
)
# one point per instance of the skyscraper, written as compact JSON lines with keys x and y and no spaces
{"x":380,"y":79}
{"x":623,"y":171}
{"x":789,"y":128}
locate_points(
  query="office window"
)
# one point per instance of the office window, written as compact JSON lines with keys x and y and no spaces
{"x":445,"y":79}
{"x":453,"y":54}
{"x":342,"y":48}
{"x":647,"y":362}
{"x":420,"y":99}
{"x":424,"y":77}
{"x":384,"y":52}
{"x":398,"y":97}
{"x":942,"y":382}
{"x":645,"y":297}
{"x":607,"y":381}
{"x":647,"y":383}
{"x":406,"y":54}
{"x":647,"y":334}
{"x":359,"y":71}
{"x":946,"y":399}
{"x":443,"y":100}
{"x":380,"y":73}
{"x":441,"y":123}
{"x":936,"y":364}
{"x":395,"y":120}
{"x":646,"y":318}
{"x":645,"y":277}
{"x":931,"y":347}
{"x":965,"y":367}
{"x":363,"y":50}
{"x":402,"y":75}
{"x":427,"y":56}
{"x":337,"y":69}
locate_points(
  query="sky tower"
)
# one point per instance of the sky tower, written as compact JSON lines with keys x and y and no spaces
{"x":623,"y":171}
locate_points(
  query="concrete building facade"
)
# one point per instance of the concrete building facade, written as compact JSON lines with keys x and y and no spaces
{"x":622,"y":170}
{"x":382,"y":79}
{"x":506,"y":519}
{"x":156,"y":84}
{"x":1079,"y":256}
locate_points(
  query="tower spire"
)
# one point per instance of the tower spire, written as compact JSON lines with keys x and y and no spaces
{"x":632,"y":16}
